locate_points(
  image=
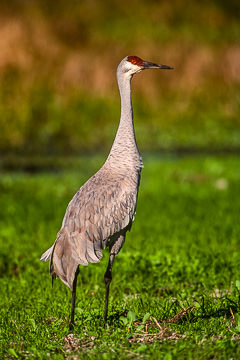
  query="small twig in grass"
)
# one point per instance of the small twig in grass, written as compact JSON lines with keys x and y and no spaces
{"x":164,"y":334}
{"x":146,"y":327}
{"x":156,"y":322}
{"x":231,"y":312}
{"x":180,"y":315}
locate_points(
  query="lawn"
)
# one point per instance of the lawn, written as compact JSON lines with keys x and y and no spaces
{"x":176,"y":283}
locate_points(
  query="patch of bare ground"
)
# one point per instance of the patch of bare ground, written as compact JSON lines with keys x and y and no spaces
{"x":146,"y":334}
{"x":164,"y":332}
{"x":73,"y":343}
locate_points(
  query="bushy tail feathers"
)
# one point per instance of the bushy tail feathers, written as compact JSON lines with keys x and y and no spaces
{"x":67,"y":253}
{"x":47,"y":255}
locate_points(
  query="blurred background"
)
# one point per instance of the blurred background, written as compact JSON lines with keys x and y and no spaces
{"x":58,"y":91}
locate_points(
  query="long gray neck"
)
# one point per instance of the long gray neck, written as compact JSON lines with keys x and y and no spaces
{"x":124,"y":149}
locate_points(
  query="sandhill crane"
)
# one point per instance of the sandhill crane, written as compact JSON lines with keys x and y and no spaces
{"x":102,"y":211}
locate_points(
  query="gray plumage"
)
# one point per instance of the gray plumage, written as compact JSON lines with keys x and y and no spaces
{"x":102,"y":211}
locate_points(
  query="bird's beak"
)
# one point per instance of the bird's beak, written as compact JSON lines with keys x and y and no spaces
{"x":150,"y":65}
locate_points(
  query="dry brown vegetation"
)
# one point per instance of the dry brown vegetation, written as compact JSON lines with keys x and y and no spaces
{"x":74,"y":48}
{"x":30,"y":43}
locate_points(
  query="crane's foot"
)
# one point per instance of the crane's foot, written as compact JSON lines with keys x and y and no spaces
{"x":71,"y":323}
{"x":71,"y":326}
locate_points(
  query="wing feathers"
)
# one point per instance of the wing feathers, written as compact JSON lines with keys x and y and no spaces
{"x":90,"y":253}
{"x":80,"y":243}
{"x":92,"y":220}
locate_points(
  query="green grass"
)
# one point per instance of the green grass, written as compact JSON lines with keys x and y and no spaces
{"x":182,"y":252}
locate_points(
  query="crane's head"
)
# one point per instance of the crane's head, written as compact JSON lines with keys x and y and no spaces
{"x":133,"y":64}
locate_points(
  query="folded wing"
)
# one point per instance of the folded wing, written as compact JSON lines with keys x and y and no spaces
{"x":93,"y":220}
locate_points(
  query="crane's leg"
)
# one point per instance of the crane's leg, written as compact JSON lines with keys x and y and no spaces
{"x":108,"y":279}
{"x":73,"y":299}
